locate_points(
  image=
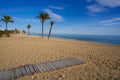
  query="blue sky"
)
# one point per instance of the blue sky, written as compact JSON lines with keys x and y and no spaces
{"x":93,"y":17}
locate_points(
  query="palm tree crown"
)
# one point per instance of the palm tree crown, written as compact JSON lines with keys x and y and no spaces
{"x":51,"y":23}
{"x":7,"y":19}
{"x":43,"y":16}
{"x":29,"y":26}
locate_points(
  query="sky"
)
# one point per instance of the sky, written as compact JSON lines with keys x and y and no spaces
{"x":91,"y":17}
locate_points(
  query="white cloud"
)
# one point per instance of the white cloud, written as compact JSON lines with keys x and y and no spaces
{"x":56,"y":7}
{"x":95,"y":8}
{"x":54,"y":16}
{"x":101,"y":5}
{"x":110,"y":21}
{"x":109,"y":3}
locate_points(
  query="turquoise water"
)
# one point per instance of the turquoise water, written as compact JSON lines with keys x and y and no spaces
{"x":92,"y":38}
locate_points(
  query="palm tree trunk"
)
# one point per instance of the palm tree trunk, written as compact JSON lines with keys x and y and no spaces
{"x":50,"y":32}
{"x":28,"y":31}
{"x":6,"y":25}
{"x":42,"y":28}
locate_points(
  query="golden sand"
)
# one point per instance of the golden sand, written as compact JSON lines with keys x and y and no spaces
{"x":102,"y":60}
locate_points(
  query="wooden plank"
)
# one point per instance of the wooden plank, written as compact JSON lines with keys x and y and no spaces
{"x":50,"y":63}
{"x":48,"y":66}
{"x":80,"y":61}
{"x":9,"y":71}
{"x":42,"y":68}
{"x":8,"y":75}
{"x":76,"y":61}
{"x":65,"y":62}
{"x":69,"y":62}
{"x":37,"y":65}
{"x":32,"y":71}
{"x":52,"y":67}
{"x":24,"y":72}
{"x":4,"y":75}
{"x":35,"y":68}
{"x":12,"y":73}
{"x":20,"y":69}
{"x":27,"y":69}
{"x":59,"y":64}
{"x":55,"y":64}
{"x":62,"y":64}
{"x":1,"y":74}
{"x":18,"y":72}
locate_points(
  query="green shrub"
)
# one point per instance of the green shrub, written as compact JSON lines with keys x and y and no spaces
{"x":5,"y":33}
{"x":1,"y":32}
{"x":11,"y":31}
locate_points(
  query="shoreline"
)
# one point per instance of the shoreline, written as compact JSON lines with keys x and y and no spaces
{"x":98,"y":41}
{"x":33,"y":36}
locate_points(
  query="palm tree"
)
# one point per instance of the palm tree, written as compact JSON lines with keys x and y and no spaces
{"x":0,"y":26}
{"x":51,"y":25}
{"x":43,"y":16}
{"x":29,"y":26}
{"x":7,"y":19}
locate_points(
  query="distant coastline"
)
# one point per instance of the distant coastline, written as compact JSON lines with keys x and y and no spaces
{"x":92,"y":38}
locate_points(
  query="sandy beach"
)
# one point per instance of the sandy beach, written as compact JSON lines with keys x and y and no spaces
{"x":102,"y":60}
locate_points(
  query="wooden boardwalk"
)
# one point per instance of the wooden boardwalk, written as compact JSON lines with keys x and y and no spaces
{"x":15,"y":73}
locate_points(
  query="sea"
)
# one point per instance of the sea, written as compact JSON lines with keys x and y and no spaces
{"x":92,"y":38}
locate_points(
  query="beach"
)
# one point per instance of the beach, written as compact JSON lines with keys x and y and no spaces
{"x":102,"y":60}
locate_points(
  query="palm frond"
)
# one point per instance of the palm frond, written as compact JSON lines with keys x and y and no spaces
{"x":43,"y":16}
{"x":11,"y":21}
{"x":52,"y":23}
{"x":7,"y":19}
{"x":3,"y":20}
{"x":37,"y":16}
{"x":29,"y":26}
